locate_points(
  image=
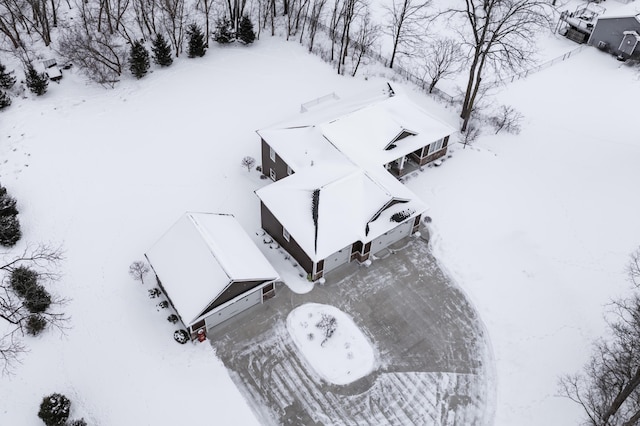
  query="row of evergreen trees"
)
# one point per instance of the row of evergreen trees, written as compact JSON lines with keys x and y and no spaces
{"x":36,"y":82}
{"x":196,"y":45}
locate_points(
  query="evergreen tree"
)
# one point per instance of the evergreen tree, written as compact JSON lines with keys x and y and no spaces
{"x":138,"y":60}
{"x":224,"y":32}
{"x":161,"y":51}
{"x":5,"y":100}
{"x":54,"y":409}
{"x":196,"y":41}
{"x":10,"y":231}
{"x":6,"y":80}
{"x":245,"y":30}
{"x":36,"y":82}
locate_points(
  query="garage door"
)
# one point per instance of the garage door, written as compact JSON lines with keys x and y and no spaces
{"x":336,"y":259}
{"x":234,"y":308}
{"x":391,"y":237}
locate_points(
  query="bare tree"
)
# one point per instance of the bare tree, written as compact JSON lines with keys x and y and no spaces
{"x":314,"y":20}
{"x":470,"y":134}
{"x":21,"y":18}
{"x":248,"y":162}
{"x":173,"y":20}
{"x":145,"y":12}
{"x":501,"y":34}
{"x":206,"y":7}
{"x":336,"y":16}
{"x":350,"y":10}
{"x":16,"y":313}
{"x":407,"y":22}
{"x":633,"y":270}
{"x":138,"y":270}
{"x":235,"y":9}
{"x":507,"y":118}
{"x":100,"y":55}
{"x":440,"y":60}
{"x":608,"y":388}
{"x":366,"y":37}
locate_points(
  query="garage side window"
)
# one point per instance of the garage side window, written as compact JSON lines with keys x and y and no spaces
{"x":272,"y":154}
{"x":285,"y":234}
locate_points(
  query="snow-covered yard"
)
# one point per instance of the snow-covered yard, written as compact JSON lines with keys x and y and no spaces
{"x":331,"y":342}
{"x":536,"y":228}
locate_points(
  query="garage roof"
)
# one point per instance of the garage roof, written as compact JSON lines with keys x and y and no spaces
{"x":200,"y":255}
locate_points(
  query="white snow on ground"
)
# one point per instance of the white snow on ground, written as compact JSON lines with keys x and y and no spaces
{"x":538,"y":227}
{"x":341,"y":356}
{"x":106,"y":173}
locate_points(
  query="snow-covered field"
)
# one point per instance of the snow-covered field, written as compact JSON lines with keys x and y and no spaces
{"x":536,"y":228}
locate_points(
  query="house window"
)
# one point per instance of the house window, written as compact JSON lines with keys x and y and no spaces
{"x":272,"y":154}
{"x":285,"y":234}
{"x":289,"y":171}
{"x":272,"y":174}
{"x":436,"y":146}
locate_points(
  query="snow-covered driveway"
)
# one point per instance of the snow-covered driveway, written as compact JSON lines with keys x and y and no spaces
{"x":433,"y":366}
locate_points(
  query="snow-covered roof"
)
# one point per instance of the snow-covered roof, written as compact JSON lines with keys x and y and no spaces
{"x":369,"y":131}
{"x":384,"y":131}
{"x":200,"y":255}
{"x":340,"y":150}
{"x":353,"y":205}
{"x":301,"y":147}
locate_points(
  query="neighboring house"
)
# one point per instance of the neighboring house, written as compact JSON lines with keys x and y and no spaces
{"x":337,"y":197}
{"x":619,"y":36}
{"x":210,"y":270}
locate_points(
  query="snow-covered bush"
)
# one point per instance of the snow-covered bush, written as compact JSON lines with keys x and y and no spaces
{"x":77,"y":422}
{"x":10,"y":231}
{"x":5,"y":100}
{"x":181,"y":336}
{"x":54,"y":409}
{"x":173,"y":318}
{"x":23,"y":280}
{"x":35,"y":324}
{"x":161,"y":51}
{"x":245,"y":31}
{"x":37,"y":300}
{"x":507,"y":118}
{"x":163,"y":305}
{"x":138,"y":60}
{"x":36,"y":82}
{"x":224,"y":31}
{"x":154,"y":292}
{"x":328,"y":324}
{"x":196,"y":44}
{"x":6,"y":80}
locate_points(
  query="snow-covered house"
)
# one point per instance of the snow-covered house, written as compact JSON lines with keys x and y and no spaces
{"x":619,"y":35}
{"x":210,"y":269}
{"x":336,"y":197}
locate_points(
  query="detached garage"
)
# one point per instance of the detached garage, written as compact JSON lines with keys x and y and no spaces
{"x":210,"y":270}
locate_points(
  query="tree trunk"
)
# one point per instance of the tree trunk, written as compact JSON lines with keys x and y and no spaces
{"x":622,"y":397}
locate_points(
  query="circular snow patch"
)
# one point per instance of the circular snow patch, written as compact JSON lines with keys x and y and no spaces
{"x":331,"y":342}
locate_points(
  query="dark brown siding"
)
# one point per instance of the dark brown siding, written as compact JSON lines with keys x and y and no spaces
{"x":274,"y":228}
{"x":434,"y":156}
{"x":279,"y":165}
{"x":165,"y":293}
{"x":234,"y":290}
